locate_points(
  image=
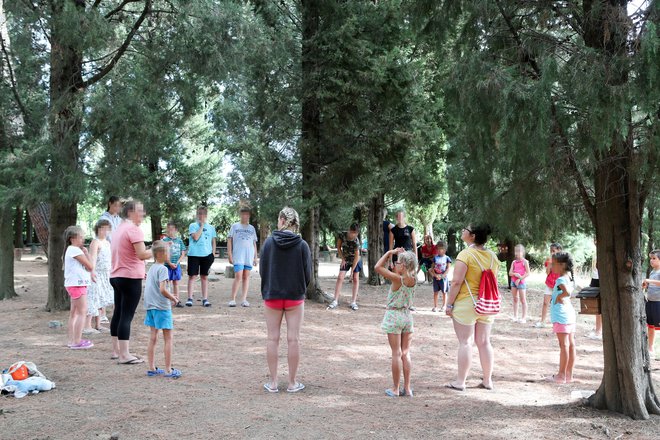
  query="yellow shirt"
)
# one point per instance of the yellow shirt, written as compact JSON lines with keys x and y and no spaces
{"x":470,"y":256}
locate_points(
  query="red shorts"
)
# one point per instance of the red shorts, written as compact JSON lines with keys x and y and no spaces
{"x":76,"y":292}
{"x":282,"y":304}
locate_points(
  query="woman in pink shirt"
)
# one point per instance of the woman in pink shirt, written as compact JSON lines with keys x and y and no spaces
{"x":128,"y":270}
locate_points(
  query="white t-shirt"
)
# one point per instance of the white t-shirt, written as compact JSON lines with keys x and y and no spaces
{"x":243,"y":238}
{"x":75,"y":273}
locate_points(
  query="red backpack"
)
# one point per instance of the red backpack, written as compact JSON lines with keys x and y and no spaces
{"x":488,"y":302}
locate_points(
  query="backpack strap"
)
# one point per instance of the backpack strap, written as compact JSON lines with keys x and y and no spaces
{"x":492,"y":261}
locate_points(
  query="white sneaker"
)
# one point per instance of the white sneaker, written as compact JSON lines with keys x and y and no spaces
{"x":333,"y":305}
{"x":595,"y":336}
{"x":104,"y":319}
{"x":412,"y":308}
{"x":245,"y":304}
{"x":540,"y":325}
{"x":523,"y":321}
{"x":90,"y":331}
{"x":232,"y":303}
{"x":434,"y":309}
{"x":514,"y":319}
{"x":354,"y":306}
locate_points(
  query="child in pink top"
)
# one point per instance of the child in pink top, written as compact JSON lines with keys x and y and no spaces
{"x":550,"y":280}
{"x":519,"y":272}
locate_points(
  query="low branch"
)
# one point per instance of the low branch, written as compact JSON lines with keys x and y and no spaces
{"x":119,"y":8}
{"x":111,"y":64}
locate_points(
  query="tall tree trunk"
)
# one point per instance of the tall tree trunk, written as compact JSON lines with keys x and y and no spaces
{"x":650,"y":246}
{"x":375,"y":237}
{"x":311,"y":140}
{"x":65,"y":124}
{"x":264,"y":231}
{"x":626,"y":386}
{"x":39,"y":219}
{"x":451,"y":242}
{"x":6,"y":254}
{"x":18,"y":228}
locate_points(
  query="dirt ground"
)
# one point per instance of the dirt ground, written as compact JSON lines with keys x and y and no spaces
{"x":345,"y":365}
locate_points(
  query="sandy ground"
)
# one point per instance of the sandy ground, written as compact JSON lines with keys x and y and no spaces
{"x":345,"y":366}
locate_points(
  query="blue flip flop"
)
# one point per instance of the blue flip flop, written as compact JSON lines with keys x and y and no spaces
{"x":391,"y":393}
{"x":156,"y":372}
{"x":175,"y":374}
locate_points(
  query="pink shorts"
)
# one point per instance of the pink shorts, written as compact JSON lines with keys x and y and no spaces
{"x":76,"y":292}
{"x":563,"y":328}
{"x":281,"y":304}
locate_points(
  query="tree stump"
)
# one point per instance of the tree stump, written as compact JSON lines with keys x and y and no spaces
{"x":229,"y":271}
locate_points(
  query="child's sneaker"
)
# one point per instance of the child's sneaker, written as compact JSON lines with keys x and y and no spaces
{"x":412,"y":308}
{"x":354,"y":306}
{"x":523,"y":321}
{"x":206,"y":303}
{"x":595,"y":336}
{"x":540,"y":325}
{"x":245,"y":304}
{"x":333,"y":305}
{"x":434,"y":309}
{"x":189,"y":303}
{"x":104,"y":320}
{"x":90,"y":331}
{"x":232,"y":303}
{"x":179,"y":304}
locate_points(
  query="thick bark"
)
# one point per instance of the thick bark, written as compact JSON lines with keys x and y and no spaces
{"x":650,"y":246}
{"x":6,"y":254}
{"x":311,"y":140}
{"x":61,"y":216}
{"x":626,"y":386}
{"x":264,"y":231}
{"x":39,"y":218}
{"x":65,"y":124}
{"x":18,"y":228}
{"x":451,"y":242}
{"x":375,"y":236}
{"x":156,"y":225}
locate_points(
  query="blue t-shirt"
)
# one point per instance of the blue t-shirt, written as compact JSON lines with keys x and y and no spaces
{"x":176,"y":248}
{"x":153,"y":298}
{"x":243,"y":238}
{"x":562,"y":313}
{"x":204,"y":246}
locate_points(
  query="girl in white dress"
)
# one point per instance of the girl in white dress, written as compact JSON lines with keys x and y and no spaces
{"x":100,"y":294}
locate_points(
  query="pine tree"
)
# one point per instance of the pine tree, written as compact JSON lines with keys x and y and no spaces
{"x":555,"y":104}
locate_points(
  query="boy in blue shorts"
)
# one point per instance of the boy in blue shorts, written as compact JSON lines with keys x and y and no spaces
{"x":242,"y":252}
{"x":158,"y":303}
{"x":439,"y":271}
{"x":176,"y":255}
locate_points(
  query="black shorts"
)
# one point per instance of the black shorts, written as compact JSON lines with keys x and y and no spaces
{"x":345,"y":266}
{"x":653,"y":314}
{"x":200,"y":265}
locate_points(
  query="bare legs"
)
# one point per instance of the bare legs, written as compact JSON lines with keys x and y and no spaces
{"x":567,"y":354}
{"x":467,"y":335}
{"x":520,"y":297}
{"x":400,"y":346}
{"x":544,"y":310}
{"x":205,"y":286}
{"x":356,"y":287}
{"x":151,"y":350}
{"x":339,"y":284}
{"x":77,"y":318}
{"x":294,"y":319}
{"x":242,"y":276}
{"x":651,"y":338}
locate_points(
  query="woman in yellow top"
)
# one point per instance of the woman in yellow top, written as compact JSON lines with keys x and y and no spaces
{"x":469,"y":326}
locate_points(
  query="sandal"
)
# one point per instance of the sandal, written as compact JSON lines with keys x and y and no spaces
{"x":134,"y":361}
{"x":391,"y":393}
{"x":297,"y":387}
{"x":269,"y":389}
{"x":156,"y":372}
{"x":174,"y":374}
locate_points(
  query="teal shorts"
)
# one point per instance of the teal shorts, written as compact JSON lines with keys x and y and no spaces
{"x":159,"y":319}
